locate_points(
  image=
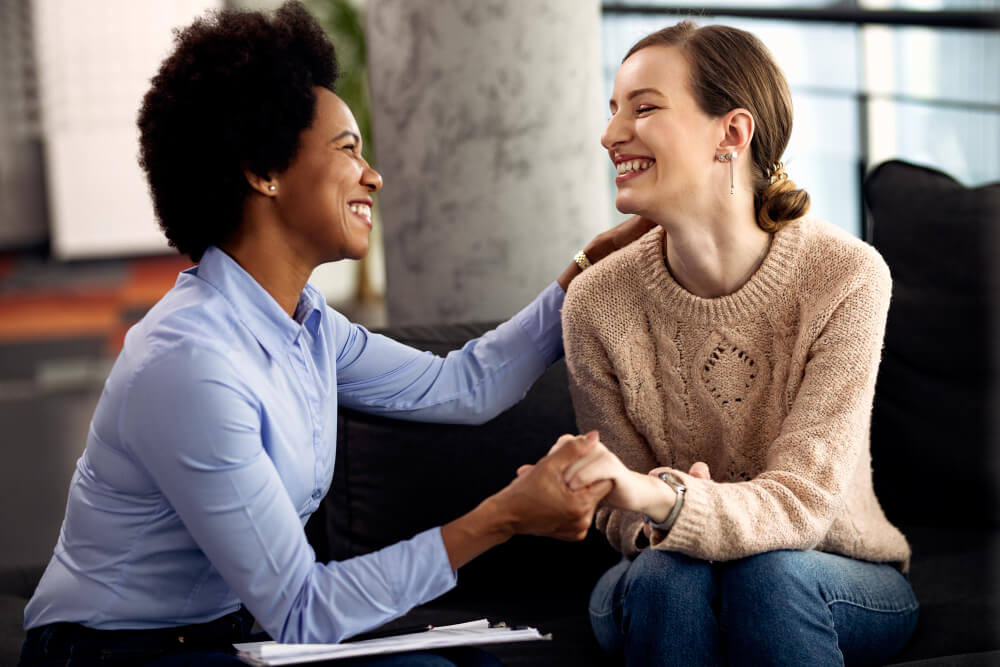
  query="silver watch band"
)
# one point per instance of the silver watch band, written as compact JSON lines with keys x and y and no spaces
{"x":679,"y":488}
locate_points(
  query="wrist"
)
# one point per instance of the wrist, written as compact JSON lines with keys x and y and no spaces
{"x":475,"y":532}
{"x":496,"y":519}
{"x":660,"y":499}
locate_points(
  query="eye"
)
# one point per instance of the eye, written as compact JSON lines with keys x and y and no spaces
{"x":644,"y":108}
{"x":348,"y":147}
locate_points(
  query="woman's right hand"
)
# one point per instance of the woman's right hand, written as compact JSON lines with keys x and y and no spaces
{"x":606,"y":243}
{"x":617,"y":237}
{"x":541,"y":502}
{"x":537,"y":502}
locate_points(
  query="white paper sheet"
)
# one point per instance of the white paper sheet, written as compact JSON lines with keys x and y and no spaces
{"x":461,"y":634}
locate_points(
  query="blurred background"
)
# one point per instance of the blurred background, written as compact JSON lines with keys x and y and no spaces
{"x":483,"y":117}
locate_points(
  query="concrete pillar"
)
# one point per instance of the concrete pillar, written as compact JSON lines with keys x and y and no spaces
{"x":487,"y":116}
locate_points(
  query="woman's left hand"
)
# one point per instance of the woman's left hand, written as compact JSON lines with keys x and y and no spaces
{"x":699,"y":470}
{"x":606,"y":243}
{"x":632,"y":490}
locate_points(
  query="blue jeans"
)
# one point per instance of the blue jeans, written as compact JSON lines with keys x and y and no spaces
{"x":72,"y":645}
{"x":776,"y":608}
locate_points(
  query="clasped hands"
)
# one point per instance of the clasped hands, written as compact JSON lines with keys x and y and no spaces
{"x":565,"y":486}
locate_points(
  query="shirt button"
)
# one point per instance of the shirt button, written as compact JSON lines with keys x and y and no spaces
{"x":317,"y":494}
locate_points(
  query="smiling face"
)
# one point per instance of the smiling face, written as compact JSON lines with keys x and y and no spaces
{"x":662,"y":144}
{"x":323,"y":198}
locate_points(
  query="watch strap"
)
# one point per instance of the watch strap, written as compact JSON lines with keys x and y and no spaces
{"x":679,"y":488}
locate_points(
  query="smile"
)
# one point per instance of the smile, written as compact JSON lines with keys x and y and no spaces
{"x":630,"y":166}
{"x":362,"y":211}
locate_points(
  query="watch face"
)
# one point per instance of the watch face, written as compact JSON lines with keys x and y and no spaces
{"x":673,"y":482}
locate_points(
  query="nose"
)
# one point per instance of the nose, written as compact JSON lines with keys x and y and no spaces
{"x":615,"y":132}
{"x":371,"y":179}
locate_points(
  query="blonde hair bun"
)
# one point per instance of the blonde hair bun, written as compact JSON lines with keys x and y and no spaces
{"x":780,"y":201}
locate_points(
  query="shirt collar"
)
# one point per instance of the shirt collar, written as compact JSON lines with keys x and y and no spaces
{"x":255,"y":307}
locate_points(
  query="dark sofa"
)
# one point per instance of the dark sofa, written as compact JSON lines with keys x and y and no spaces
{"x":935,"y":436}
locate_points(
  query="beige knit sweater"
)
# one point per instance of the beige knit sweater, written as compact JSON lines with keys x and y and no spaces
{"x":771,"y":386}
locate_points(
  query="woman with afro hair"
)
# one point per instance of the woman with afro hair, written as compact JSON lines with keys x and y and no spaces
{"x":213,"y":441}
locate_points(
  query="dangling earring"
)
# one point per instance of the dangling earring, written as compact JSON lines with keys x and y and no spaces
{"x":730,"y":158}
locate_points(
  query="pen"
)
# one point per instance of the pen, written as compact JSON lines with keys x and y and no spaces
{"x":390,"y":632}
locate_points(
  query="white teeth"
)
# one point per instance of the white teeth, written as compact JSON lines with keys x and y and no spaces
{"x":364,"y":210}
{"x":633,"y":165}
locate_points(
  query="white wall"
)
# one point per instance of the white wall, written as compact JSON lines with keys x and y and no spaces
{"x":95,"y":60}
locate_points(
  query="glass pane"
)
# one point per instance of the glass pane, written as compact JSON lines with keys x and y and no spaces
{"x":927,"y":64}
{"x":822,"y":157}
{"x":961,"y":142}
{"x":930,"y":5}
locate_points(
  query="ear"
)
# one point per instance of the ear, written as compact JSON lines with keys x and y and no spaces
{"x":266,"y":186}
{"x":737,"y":127}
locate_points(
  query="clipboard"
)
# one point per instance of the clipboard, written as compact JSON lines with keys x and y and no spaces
{"x":470,"y":633}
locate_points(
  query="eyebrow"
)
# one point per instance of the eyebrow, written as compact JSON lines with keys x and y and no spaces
{"x":639,"y":91}
{"x":346,"y":133}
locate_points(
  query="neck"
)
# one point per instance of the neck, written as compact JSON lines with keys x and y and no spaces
{"x":267,"y":256}
{"x":715,"y":254}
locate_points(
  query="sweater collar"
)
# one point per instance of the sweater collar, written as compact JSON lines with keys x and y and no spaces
{"x":753,"y":297}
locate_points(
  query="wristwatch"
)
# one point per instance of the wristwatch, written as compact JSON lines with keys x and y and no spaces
{"x":664,"y":526}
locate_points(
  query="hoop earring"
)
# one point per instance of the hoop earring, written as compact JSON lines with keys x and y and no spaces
{"x":730,"y":158}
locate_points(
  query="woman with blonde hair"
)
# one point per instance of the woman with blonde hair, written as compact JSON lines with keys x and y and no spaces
{"x":728,"y":358}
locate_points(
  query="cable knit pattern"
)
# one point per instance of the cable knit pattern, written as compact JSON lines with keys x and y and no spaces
{"x":772,"y":386}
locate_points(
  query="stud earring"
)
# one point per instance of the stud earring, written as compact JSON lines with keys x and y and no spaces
{"x":730,"y":158}
{"x":271,"y":188}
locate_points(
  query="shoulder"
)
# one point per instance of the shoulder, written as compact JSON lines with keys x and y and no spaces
{"x":613,"y":287}
{"x":834,"y":259}
{"x":192,"y":311}
{"x":193,"y":330}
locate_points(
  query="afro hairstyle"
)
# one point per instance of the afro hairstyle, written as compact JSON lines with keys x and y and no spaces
{"x":234,"y":96}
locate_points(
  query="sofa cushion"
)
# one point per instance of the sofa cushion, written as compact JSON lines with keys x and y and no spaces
{"x":935,"y":425}
{"x":954,"y":576}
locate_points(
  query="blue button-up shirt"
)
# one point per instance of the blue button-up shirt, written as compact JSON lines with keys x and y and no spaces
{"x":214,"y":440}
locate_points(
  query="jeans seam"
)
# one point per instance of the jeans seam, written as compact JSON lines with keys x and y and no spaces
{"x":902,"y":610}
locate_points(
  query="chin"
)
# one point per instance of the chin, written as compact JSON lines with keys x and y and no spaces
{"x":626,"y":205}
{"x":359,"y":252}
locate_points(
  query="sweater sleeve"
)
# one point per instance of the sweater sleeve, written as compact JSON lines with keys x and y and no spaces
{"x":810,"y":464}
{"x":599,"y":405}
